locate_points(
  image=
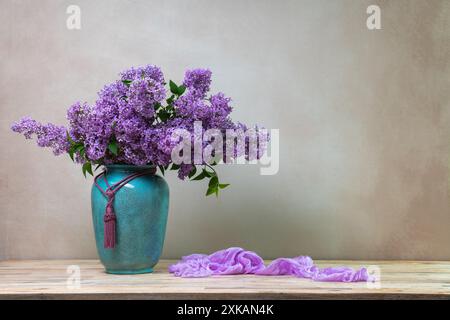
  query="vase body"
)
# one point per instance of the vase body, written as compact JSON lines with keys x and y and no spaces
{"x":141,"y":207}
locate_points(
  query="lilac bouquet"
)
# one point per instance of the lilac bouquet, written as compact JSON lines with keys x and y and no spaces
{"x":135,"y":120}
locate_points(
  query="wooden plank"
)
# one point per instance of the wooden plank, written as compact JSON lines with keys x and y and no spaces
{"x":47,"y":279}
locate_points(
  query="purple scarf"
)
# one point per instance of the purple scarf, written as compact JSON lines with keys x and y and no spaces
{"x":239,"y":261}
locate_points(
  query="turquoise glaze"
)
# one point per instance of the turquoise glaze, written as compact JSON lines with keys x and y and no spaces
{"x":141,"y":208}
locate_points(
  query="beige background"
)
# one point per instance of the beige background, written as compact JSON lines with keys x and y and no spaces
{"x":363,"y":118}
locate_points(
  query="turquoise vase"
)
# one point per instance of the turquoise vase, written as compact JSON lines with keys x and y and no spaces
{"x":141,"y":208}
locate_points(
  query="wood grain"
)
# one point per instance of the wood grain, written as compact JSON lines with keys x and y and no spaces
{"x":47,"y":279}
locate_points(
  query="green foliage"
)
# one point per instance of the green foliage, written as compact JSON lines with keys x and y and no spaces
{"x":201,"y":176}
{"x":113,"y":147}
{"x":163,"y":114}
{"x":193,"y":172}
{"x":175,"y":89}
{"x":181,"y":89}
{"x":127,"y":82}
{"x":87,"y":167}
{"x":170,"y":100}
{"x":213,"y":185}
{"x":78,"y":148}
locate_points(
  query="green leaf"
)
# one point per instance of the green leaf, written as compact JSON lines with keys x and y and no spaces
{"x":71,"y":155}
{"x":208,"y":174}
{"x":87,"y":167}
{"x":69,"y":138}
{"x":162,"y":169}
{"x":210,"y":191}
{"x":170,"y":100}
{"x":78,"y":148}
{"x":127,"y":82}
{"x":199,"y":177}
{"x":193,"y":172}
{"x":163,"y":115}
{"x":223,"y":185}
{"x":181,"y":89}
{"x":173,"y":87}
{"x":214,"y":182}
{"x":213,"y":186}
{"x":175,"y":167}
{"x":98,"y":166}
{"x":112,"y":146}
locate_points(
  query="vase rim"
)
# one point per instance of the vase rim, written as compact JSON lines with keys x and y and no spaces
{"x":127,"y":167}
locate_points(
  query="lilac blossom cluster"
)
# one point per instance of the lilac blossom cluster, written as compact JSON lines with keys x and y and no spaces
{"x":133,"y":121}
{"x":48,"y":135}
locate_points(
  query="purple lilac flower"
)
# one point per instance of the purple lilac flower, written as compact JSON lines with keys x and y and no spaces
{"x":49,"y":135}
{"x":198,"y":82}
{"x":184,"y":170}
{"x":129,"y":132}
{"x":125,"y":113}
{"x":144,"y":94}
{"x":192,"y":108}
{"x":78,"y":117}
{"x":26,"y":126}
{"x":54,"y":137}
{"x":149,"y":71}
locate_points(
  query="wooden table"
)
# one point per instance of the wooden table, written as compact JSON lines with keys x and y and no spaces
{"x":50,"y":279}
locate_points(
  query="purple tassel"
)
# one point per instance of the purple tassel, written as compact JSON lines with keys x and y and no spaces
{"x":110,"y":227}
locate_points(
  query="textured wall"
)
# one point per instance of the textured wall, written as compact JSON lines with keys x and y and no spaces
{"x":363,"y":118}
